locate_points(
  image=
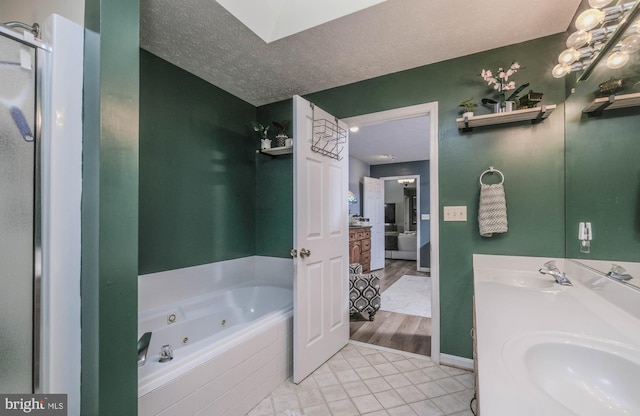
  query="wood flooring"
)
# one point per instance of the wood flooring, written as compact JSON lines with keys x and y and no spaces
{"x":394,"y":330}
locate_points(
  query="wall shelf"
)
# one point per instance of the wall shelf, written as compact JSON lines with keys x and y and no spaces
{"x":535,"y":115}
{"x":612,"y":102}
{"x":278,"y":151}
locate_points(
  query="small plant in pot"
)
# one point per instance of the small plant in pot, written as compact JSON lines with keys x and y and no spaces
{"x":261,"y":131}
{"x":281,"y":134}
{"x":467,"y":107}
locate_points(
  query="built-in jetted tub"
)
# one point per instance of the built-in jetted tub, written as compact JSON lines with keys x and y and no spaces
{"x":230,"y":333}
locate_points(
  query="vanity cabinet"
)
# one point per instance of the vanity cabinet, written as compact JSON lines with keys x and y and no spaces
{"x":360,"y":247}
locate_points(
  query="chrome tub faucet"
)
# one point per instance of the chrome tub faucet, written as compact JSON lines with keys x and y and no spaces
{"x":551,"y":269}
{"x":143,"y":347}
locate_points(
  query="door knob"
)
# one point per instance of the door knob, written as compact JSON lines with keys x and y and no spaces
{"x":304,"y":252}
{"x":294,"y":253}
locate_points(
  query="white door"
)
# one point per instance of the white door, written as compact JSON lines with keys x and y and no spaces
{"x":373,"y":191}
{"x":321,"y":238}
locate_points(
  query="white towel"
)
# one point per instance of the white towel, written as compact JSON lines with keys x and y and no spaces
{"x":492,"y":212}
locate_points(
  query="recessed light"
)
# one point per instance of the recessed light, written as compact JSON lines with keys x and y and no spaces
{"x":354,"y":129}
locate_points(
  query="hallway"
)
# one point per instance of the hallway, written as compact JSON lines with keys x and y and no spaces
{"x":390,"y":329}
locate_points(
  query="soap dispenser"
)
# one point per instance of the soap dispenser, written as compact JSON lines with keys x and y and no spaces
{"x":585,"y":236}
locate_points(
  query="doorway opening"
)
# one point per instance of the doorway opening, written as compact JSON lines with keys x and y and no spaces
{"x":427,"y":214}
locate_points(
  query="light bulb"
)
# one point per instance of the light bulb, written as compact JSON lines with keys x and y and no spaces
{"x":617,"y":60}
{"x":589,"y":19}
{"x":578,"y":39}
{"x":560,"y":70}
{"x":630,"y":44}
{"x":599,"y":4}
{"x":568,"y":56}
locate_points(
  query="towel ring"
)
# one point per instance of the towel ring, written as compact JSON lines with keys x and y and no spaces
{"x":492,"y":170}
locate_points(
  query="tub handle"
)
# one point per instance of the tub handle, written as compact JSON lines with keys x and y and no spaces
{"x":304,"y":252}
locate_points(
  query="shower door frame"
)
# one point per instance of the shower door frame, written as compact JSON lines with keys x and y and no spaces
{"x":40,"y":53}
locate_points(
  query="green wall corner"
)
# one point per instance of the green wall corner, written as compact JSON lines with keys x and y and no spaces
{"x":197,"y":170}
{"x":110,"y":209}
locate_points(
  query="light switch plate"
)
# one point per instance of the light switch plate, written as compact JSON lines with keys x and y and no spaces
{"x":425,"y":217}
{"x":455,"y":213}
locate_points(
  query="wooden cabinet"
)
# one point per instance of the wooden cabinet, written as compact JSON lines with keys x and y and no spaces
{"x":360,"y":247}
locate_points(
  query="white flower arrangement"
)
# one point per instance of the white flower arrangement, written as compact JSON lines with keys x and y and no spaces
{"x":501,"y":83}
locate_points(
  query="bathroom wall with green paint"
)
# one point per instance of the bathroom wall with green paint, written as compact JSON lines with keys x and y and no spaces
{"x":530,"y":156}
{"x":197,"y":170}
{"x":603,"y":170}
{"x":110,"y":208}
{"x":274,"y":190}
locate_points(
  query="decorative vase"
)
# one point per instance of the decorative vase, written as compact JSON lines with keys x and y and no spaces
{"x":467,"y":114}
{"x":504,"y":106}
{"x":288,"y":142}
{"x":280,"y":140}
{"x":265,"y":144}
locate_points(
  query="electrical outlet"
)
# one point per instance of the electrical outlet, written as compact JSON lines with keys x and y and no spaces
{"x":458,"y":213}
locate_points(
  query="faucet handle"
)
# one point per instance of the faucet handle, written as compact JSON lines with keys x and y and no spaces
{"x":551,"y":265}
{"x":618,"y":273}
{"x":617,"y":269}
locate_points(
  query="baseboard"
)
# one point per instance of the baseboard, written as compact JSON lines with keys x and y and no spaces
{"x":455,"y":361}
{"x":386,"y":349}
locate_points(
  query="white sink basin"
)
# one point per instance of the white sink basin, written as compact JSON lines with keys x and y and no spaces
{"x":587,"y":376}
{"x":524,"y":280}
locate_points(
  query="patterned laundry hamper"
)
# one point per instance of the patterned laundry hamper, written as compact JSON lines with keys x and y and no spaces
{"x":364,"y":291}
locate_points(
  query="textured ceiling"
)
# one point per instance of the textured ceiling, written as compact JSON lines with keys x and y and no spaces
{"x":406,"y":140}
{"x":201,"y":37}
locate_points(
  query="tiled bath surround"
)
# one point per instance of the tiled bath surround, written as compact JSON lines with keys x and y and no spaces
{"x":248,"y":366}
{"x":231,"y":383}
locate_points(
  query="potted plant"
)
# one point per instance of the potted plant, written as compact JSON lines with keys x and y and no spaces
{"x":467,"y":107}
{"x":500,"y":83}
{"x":262,"y":132}
{"x":281,"y":134}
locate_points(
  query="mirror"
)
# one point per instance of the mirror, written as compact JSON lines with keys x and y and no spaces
{"x":603,"y":165}
{"x":400,"y":209}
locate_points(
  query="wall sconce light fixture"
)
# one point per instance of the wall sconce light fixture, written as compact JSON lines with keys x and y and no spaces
{"x":601,"y":31}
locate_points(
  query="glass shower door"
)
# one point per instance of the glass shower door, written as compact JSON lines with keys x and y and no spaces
{"x":17,"y":214}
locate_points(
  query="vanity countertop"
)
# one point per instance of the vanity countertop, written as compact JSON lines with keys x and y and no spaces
{"x":532,"y":332}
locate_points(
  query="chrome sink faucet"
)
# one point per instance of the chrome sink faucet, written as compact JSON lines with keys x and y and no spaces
{"x":618,"y":272}
{"x":143,"y":347}
{"x":551,"y":269}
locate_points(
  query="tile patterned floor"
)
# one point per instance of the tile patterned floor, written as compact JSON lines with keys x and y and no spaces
{"x":365,"y":380}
